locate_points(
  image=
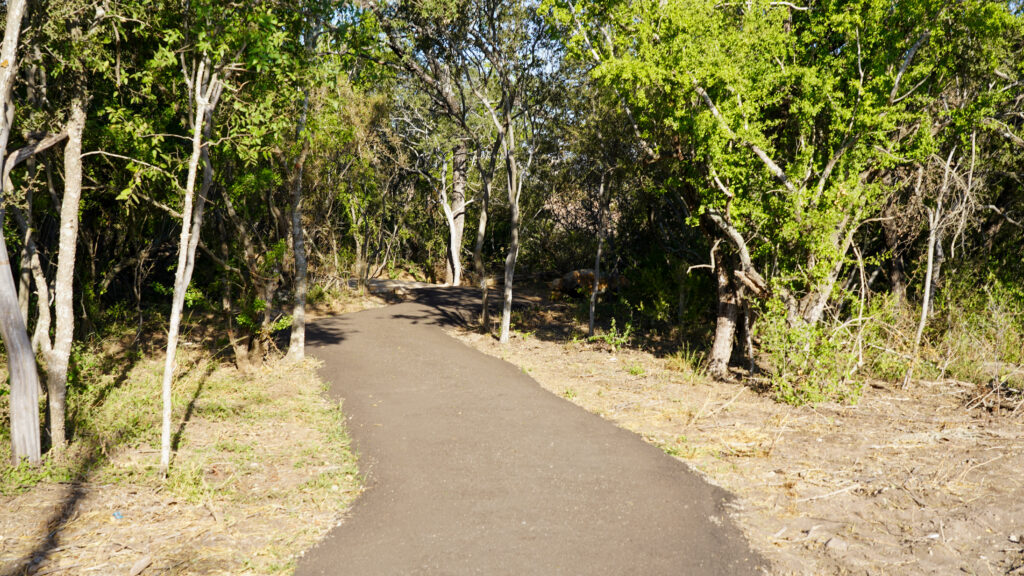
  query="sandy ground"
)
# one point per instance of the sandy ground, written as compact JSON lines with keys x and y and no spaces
{"x":924,"y":480}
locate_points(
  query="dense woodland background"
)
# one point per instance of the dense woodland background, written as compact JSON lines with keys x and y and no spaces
{"x":806,"y":194}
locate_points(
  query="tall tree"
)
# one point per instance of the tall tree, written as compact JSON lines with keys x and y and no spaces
{"x":428,"y":42}
{"x":25,"y":440}
{"x":781,"y":121}
{"x":514,"y":41}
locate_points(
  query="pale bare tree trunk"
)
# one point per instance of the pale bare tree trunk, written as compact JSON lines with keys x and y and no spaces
{"x":297,"y":342}
{"x":725,"y":326}
{"x":205,"y":88}
{"x":455,"y":214}
{"x":514,"y":183}
{"x":934,"y":219}
{"x":57,"y":360}
{"x":933,"y":229}
{"x":24,"y":402}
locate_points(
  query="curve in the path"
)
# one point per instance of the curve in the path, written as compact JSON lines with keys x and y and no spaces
{"x":472,"y":468}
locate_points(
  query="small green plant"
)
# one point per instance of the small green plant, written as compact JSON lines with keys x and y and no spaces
{"x":636,"y":369}
{"x":569,"y":393}
{"x":688,"y":362}
{"x":612,"y":337}
{"x":672,"y":450}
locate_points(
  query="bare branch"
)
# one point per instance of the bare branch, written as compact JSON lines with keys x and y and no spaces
{"x":22,"y":154}
{"x":906,"y":63}
{"x":777,"y":172}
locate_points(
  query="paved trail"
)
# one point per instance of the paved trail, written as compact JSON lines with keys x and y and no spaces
{"x":473,"y":468}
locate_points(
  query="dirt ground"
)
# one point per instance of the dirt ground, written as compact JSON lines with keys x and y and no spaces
{"x":263,"y":471}
{"x":923,"y":480}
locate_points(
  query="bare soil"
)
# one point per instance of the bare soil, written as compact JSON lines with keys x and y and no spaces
{"x":922,"y":480}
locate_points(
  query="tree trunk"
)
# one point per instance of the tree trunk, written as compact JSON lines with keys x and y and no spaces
{"x":25,"y":262}
{"x":478,"y":259}
{"x":815,"y":302}
{"x":240,"y":350}
{"x":898,"y":278}
{"x":24,"y":401}
{"x":940,"y":258}
{"x":514,"y":189}
{"x":487,"y":175}
{"x":897,"y":270}
{"x":456,"y":215}
{"x":725,"y":326}
{"x":57,"y":361}
{"x":933,"y":220}
{"x":510,"y":270}
{"x":597,"y":256}
{"x":297,"y":342}
{"x":203,"y":88}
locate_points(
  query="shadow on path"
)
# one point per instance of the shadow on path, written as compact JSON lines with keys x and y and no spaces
{"x":472,"y":468}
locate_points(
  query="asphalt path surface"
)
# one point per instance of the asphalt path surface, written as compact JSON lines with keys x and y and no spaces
{"x":472,"y":468}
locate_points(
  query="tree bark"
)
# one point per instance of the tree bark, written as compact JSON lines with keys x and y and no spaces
{"x":456,"y":214}
{"x":725,"y":325}
{"x":597,"y":257}
{"x":25,"y":440}
{"x":514,"y":183}
{"x":57,"y":360}
{"x":297,"y":341}
{"x":510,"y":270}
{"x":487,"y":175}
{"x":205,"y":87}
{"x":25,"y":262}
{"x":933,"y":225}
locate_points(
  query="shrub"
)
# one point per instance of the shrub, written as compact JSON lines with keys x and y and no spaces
{"x":810,"y":363}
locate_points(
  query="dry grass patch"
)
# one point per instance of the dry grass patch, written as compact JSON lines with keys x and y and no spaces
{"x":262,"y":471}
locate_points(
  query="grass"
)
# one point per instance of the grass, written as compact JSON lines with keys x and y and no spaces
{"x":266,"y":451}
{"x":636,"y":369}
{"x":687,"y":362}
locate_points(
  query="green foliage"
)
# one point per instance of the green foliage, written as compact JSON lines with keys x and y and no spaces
{"x":193,"y":294}
{"x":809,"y":363}
{"x":612,"y":337}
{"x":978,"y":335}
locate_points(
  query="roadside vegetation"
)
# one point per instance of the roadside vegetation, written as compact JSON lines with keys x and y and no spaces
{"x":814,"y":201}
{"x":262,"y":466}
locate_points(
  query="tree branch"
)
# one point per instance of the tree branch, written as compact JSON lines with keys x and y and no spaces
{"x":22,"y":154}
{"x":777,"y":172}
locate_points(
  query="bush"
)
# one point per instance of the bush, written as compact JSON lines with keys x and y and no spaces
{"x":810,"y":363}
{"x":976,"y":334}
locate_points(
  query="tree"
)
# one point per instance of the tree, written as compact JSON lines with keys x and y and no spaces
{"x":782,"y":122}
{"x":428,"y":42}
{"x":514,"y":41}
{"x":221,"y":44}
{"x":25,"y":439}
